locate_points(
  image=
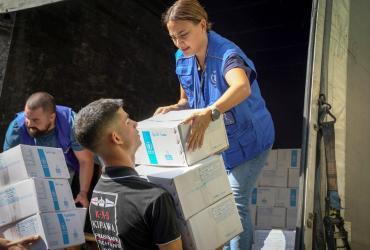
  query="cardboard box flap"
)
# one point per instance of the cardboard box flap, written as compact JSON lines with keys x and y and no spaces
{"x":162,"y":172}
{"x":156,"y":124}
{"x":178,"y":116}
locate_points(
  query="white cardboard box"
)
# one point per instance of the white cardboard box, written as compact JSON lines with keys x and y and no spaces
{"x":24,"y":161}
{"x":271,"y":161}
{"x":291,"y":218}
{"x":274,"y":239}
{"x":289,"y":158}
{"x":282,"y":197}
{"x":286,"y":197}
{"x":164,"y":140}
{"x":274,"y":178}
{"x":25,"y":198}
{"x":193,"y":188}
{"x":212,"y":227}
{"x":277,"y":197}
{"x":293,"y":177}
{"x":271,"y":217}
{"x":57,"y":230}
{"x":265,"y":196}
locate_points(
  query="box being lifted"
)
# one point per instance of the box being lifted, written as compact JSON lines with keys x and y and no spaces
{"x":164,"y":140}
{"x":24,"y":161}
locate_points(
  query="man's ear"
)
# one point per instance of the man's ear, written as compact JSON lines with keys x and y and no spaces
{"x":52,"y":117}
{"x":116,"y":139}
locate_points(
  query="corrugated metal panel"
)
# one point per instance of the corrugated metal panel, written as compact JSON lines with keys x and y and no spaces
{"x":15,"y":5}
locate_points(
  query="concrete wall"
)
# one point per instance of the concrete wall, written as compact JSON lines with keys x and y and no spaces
{"x":6,"y":27}
{"x":358,"y":124}
{"x":80,"y":51}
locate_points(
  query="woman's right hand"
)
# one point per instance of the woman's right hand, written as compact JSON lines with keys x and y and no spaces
{"x":166,"y":109}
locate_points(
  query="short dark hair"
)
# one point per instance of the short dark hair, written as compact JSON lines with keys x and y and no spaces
{"x":41,"y":100}
{"x":92,"y":119}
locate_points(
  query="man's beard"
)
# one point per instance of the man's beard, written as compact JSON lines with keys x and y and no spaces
{"x":35,"y":132}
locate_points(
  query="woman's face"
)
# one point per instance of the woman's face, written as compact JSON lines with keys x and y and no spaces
{"x":187,"y":36}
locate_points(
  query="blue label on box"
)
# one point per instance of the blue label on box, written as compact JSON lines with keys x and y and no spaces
{"x":54,"y":195}
{"x":64,"y":229}
{"x":294,"y":158}
{"x":254,"y":196}
{"x":149,"y":147}
{"x":168,"y":157}
{"x":293,"y":197}
{"x":44,"y":162}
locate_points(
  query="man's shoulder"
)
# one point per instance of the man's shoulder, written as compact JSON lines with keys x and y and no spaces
{"x":13,"y":135}
{"x":14,"y":125}
{"x":138,"y":186}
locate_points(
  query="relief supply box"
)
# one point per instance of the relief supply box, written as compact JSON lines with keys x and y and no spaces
{"x":193,"y":188}
{"x":164,"y":140}
{"x":212,"y":227}
{"x":271,"y":217}
{"x":31,"y":196}
{"x":57,"y":230}
{"x":289,"y":158}
{"x":24,"y":161}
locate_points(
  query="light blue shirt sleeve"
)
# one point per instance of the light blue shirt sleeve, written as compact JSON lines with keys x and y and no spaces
{"x":12,"y":136}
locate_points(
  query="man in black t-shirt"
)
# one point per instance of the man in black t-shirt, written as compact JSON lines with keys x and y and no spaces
{"x":126,"y":211}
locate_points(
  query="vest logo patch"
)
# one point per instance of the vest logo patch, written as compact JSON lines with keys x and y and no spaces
{"x":103,"y":221}
{"x":214,"y":77}
{"x":100,"y":202}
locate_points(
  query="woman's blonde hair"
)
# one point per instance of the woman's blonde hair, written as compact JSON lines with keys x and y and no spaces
{"x":186,"y":10}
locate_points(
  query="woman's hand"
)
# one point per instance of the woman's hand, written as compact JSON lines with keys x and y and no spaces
{"x":166,"y":109}
{"x":199,"y":123}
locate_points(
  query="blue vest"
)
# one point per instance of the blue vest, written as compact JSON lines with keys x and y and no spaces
{"x":249,"y":125}
{"x":62,"y":132}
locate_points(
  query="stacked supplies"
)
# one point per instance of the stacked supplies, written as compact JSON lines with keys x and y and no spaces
{"x":274,"y":201}
{"x":197,"y":180}
{"x":36,"y":198}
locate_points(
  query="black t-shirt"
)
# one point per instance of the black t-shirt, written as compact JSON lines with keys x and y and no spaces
{"x":128,"y":212}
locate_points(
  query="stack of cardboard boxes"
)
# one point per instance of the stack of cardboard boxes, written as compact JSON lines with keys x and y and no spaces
{"x":36,"y":198}
{"x":197,"y":180}
{"x":274,"y":200}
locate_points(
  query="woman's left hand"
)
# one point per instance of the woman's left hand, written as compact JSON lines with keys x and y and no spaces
{"x":199,"y":123}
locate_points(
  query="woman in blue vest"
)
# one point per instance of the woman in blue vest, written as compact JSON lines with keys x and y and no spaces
{"x":217,"y":77}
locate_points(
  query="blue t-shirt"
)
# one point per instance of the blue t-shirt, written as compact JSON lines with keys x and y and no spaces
{"x":13,"y":137}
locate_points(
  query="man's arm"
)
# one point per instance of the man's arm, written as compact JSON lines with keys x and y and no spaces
{"x":86,"y":161}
